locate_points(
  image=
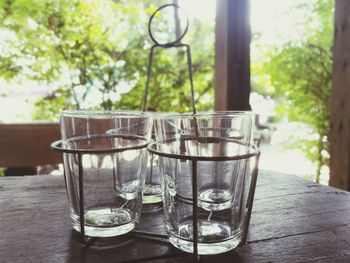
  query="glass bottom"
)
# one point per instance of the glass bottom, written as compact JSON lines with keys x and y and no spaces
{"x":106,"y":222}
{"x":214,"y":199}
{"x":129,"y":190}
{"x":152,"y":193}
{"x":213,"y":237}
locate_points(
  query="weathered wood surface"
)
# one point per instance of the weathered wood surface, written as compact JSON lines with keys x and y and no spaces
{"x":340,"y":103}
{"x":293,"y":221}
{"x":28,"y":144}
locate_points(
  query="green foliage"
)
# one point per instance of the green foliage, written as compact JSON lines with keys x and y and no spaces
{"x":94,"y":54}
{"x":300,"y":73}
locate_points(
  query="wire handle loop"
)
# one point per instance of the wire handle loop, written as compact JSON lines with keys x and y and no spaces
{"x":179,"y":38}
{"x":172,"y":44}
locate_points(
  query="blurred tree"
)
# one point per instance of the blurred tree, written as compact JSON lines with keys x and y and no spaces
{"x":300,"y":74}
{"x":94,"y":53}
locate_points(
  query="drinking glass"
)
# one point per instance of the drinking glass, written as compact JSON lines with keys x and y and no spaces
{"x":207,"y":162}
{"x":152,"y":192}
{"x":105,"y":157}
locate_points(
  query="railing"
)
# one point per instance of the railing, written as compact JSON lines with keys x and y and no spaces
{"x":28,"y":145}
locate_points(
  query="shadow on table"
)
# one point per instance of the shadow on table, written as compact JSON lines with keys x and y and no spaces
{"x":131,"y":249}
{"x":119,"y":249}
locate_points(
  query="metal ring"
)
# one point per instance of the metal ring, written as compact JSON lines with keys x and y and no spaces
{"x":58,"y":145}
{"x":168,"y":44}
{"x":253,"y":152}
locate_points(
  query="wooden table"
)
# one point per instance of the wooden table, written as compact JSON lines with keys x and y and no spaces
{"x":293,"y":220}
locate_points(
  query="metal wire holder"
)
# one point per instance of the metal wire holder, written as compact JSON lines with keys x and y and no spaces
{"x":176,"y":43}
{"x":152,"y":148}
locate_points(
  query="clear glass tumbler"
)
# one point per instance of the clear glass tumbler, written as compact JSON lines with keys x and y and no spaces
{"x":207,"y":161}
{"x":105,"y":158}
{"x":152,"y":193}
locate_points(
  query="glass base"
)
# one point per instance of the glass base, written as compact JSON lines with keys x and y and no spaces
{"x":152,"y":194}
{"x":213,"y":238}
{"x":214,"y":199}
{"x":106,"y":222}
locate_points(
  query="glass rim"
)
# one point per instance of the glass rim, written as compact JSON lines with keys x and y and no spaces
{"x":221,"y":114}
{"x":105,"y":114}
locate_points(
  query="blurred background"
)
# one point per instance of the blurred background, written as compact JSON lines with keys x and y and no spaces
{"x":83,"y":54}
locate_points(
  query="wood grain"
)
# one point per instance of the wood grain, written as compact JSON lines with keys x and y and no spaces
{"x":340,"y":103}
{"x":293,"y":220}
{"x":232,"y":55}
{"x":28,"y":144}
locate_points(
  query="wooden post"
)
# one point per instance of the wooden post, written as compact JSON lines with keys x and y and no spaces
{"x":340,"y":99}
{"x":232,"y":55}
